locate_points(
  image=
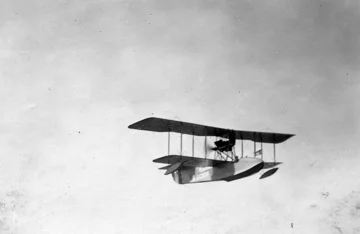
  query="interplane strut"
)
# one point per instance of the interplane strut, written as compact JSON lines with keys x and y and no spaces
{"x":224,"y":150}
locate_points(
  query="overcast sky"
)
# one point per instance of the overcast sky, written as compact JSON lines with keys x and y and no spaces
{"x":75,"y":74}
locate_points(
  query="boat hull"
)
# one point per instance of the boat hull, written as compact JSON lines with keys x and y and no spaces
{"x":227,"y":171}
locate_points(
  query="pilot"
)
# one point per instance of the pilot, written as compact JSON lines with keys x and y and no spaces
{"x":228,"y":144}
{"x":232,"y":138}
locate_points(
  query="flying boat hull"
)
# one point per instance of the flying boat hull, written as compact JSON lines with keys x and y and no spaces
{"x":227,"y":171}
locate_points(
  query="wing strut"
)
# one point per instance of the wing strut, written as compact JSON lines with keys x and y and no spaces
{"x":205,"y":144}
{"x":274,"y":153}
{"x":193,"y":145}
{"x":242,"y":146}
{"x":181,"y":139}
{"x":261,"y":145}
{"x":254,"y":145}
{"x":168,"y":142}
{"x":181,"y":144}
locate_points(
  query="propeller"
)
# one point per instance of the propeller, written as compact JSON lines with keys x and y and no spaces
{"x":210,"y":148}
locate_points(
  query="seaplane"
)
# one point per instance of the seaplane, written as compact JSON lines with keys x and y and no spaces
{"x":225,"y":164}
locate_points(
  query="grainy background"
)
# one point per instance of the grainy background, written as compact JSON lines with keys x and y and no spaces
{"x":75,"y":74}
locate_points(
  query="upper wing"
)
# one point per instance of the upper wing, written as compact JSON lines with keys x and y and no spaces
{"x":166,"y":125}
{"x":188,"y":161}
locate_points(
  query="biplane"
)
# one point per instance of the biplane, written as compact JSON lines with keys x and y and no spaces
{"x":225,"y":164}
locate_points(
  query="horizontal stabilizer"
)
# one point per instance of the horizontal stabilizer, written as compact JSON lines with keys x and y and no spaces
{"x":164,"y":168}
{"x":190,"y":161}
{"x":173,"y":168}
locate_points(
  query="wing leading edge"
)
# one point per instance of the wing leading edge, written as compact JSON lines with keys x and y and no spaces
{"x":165,"y":125}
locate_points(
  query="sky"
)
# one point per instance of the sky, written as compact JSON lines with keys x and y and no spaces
{"x":75,"y":74}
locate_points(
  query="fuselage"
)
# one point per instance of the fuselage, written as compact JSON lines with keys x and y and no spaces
{"x":227,"y":171}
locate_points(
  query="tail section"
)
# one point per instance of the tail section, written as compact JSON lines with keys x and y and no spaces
{"x":174,"y":167}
